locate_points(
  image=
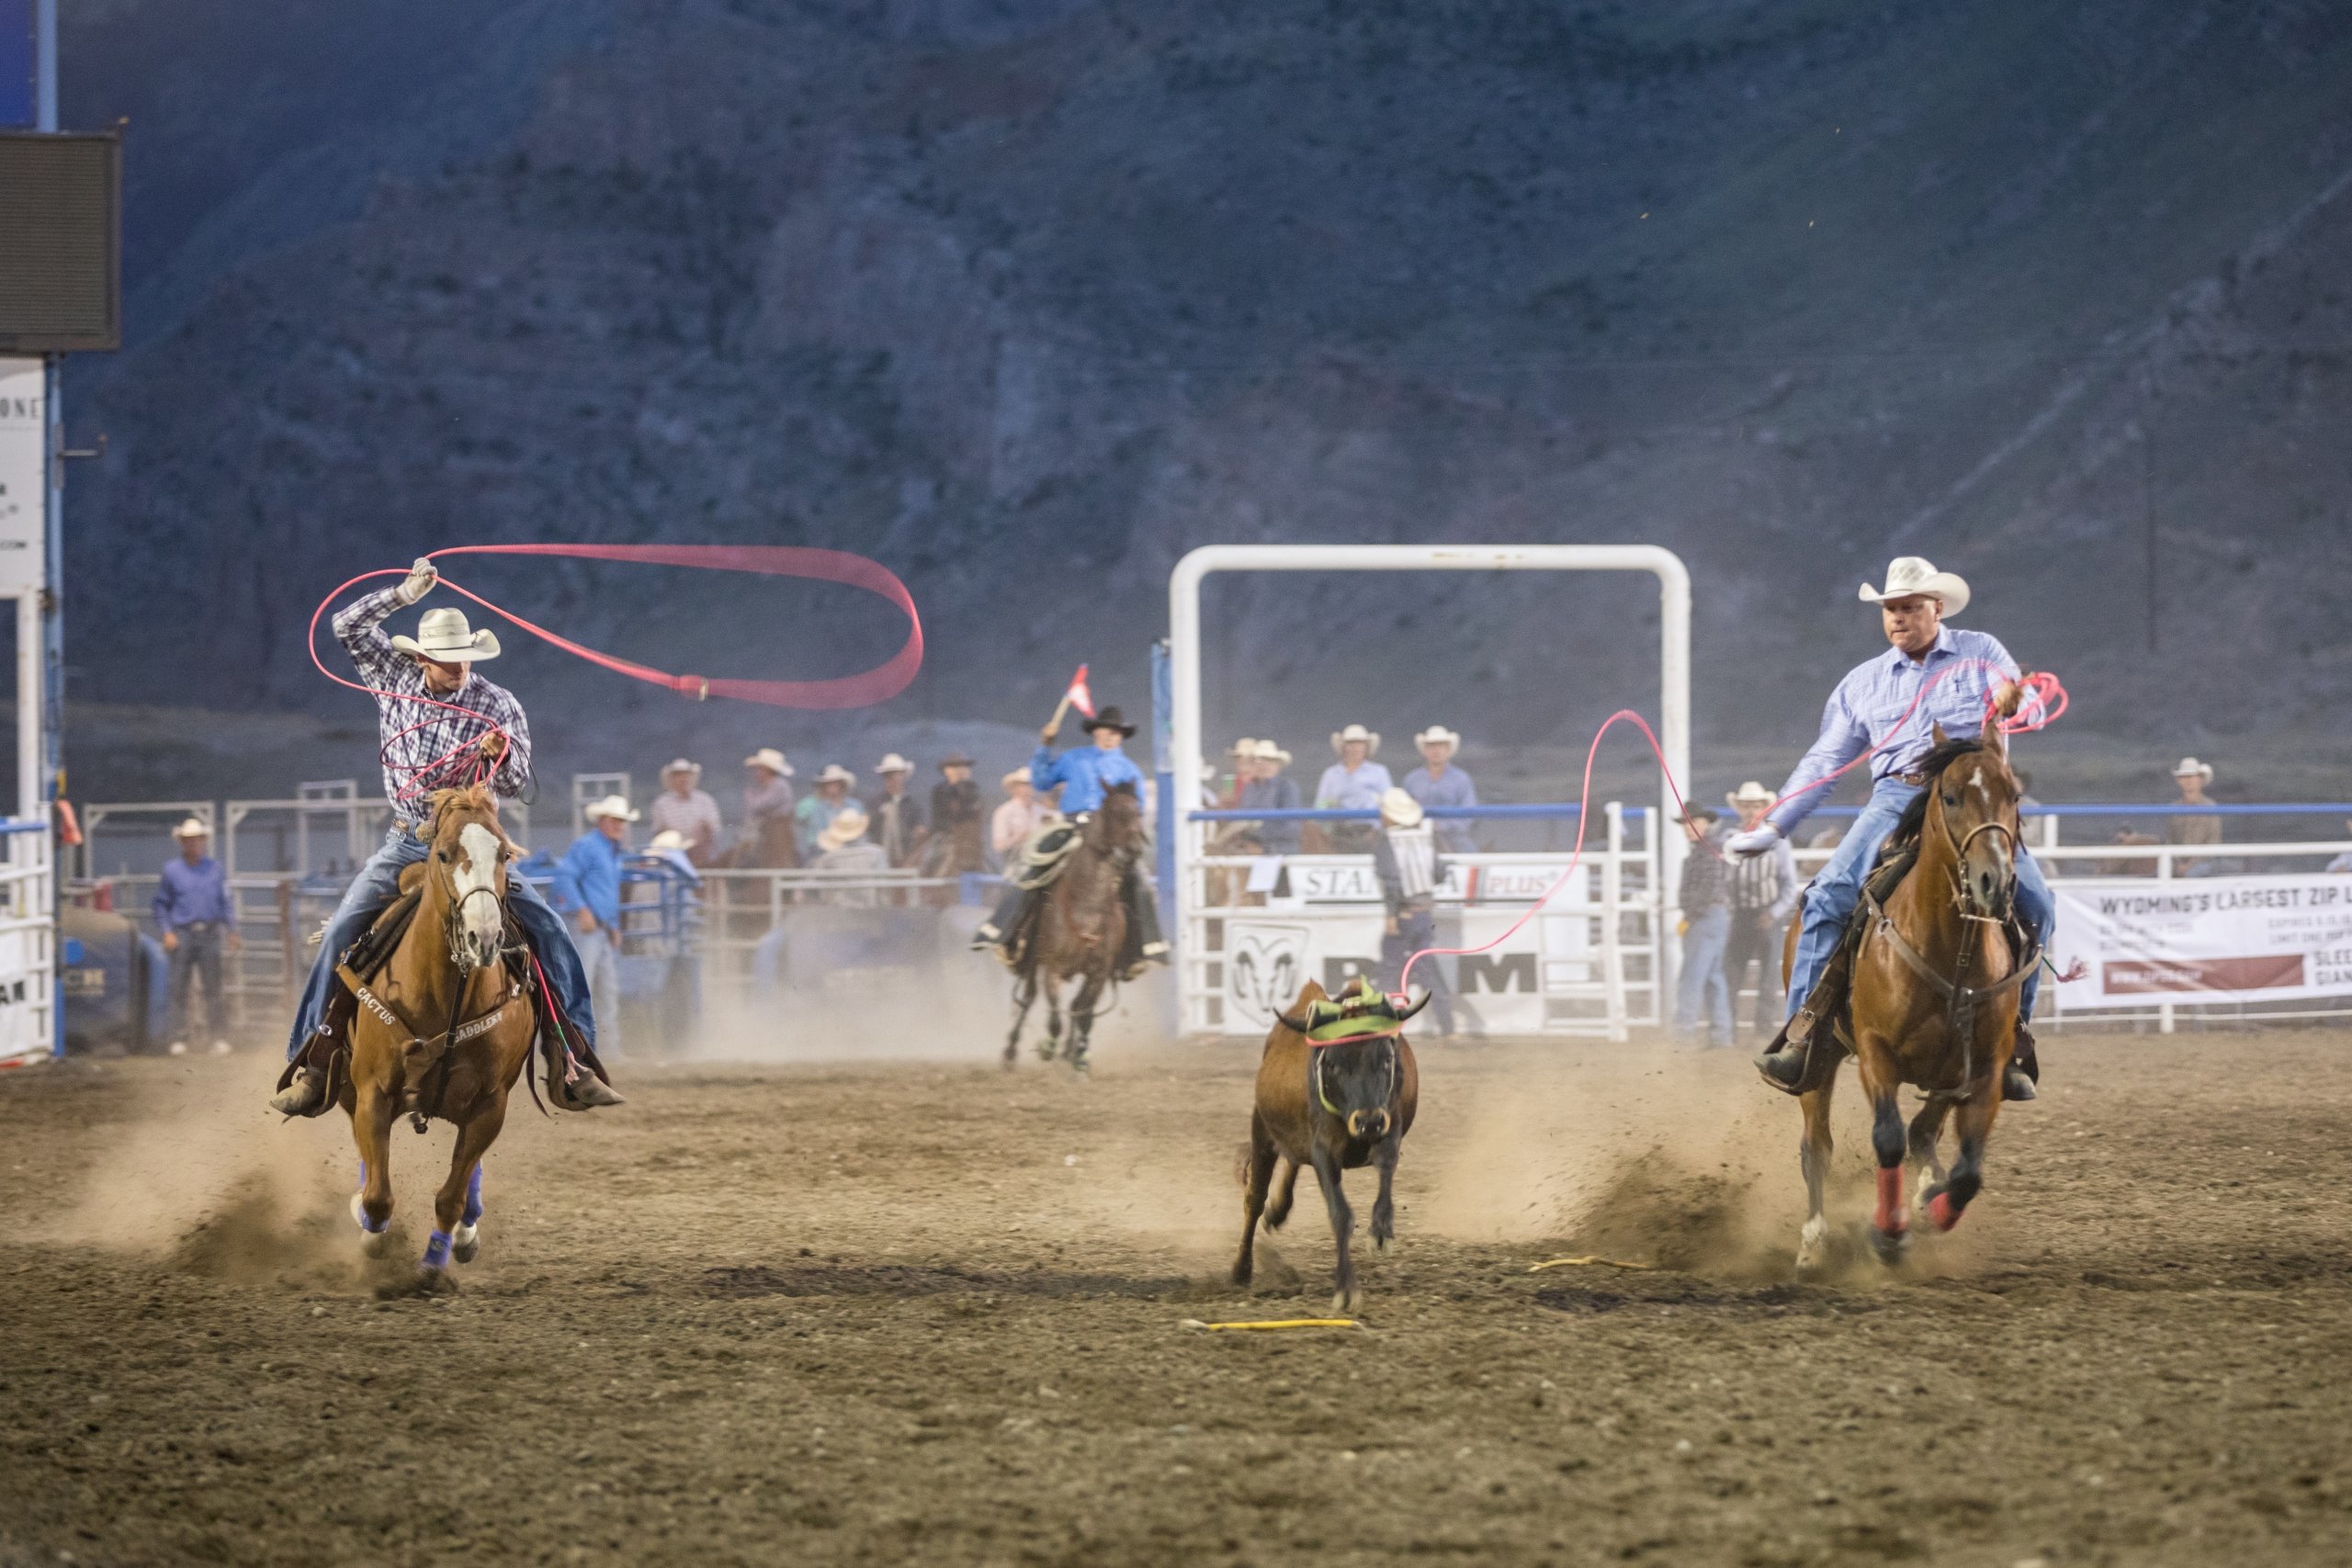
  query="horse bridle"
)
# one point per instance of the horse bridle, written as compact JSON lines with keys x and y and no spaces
{"x":454,"y":927}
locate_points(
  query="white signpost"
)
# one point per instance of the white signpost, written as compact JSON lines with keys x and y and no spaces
{"x":28,"y":920}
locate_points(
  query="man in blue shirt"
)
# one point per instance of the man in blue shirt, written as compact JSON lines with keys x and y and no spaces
{"x":1443,"y":784}
{"x":196,"y":919}
{"x":1866,"y":710}
{"x":587,"y":892}
{"x":1084,"y":773}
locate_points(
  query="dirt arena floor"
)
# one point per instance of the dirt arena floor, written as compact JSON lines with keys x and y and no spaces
{"x":932,"y":1313}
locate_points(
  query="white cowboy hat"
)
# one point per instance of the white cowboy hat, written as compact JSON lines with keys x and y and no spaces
{"x":1749,"y":793}
{"x":1268,"y":751}
{"x":443,"y":638}
{"x":1018,"y":775}
{"x":1245,"y":747}
{"x":1400,"y":809}
{"x":835,"y":773}
{"x":681,"y":765}
{"x":2188,"y":765}
{"x":194,"y":828}
{"x":1371,"y":739}
{"x":1907,"y":575}
{"x":893,"y":764}
{"x":770,"y":758}
{"x":1438,"y":735}
{"x":611,"y":806}
{"x":843,"y":830}
{"x":668,"y":839}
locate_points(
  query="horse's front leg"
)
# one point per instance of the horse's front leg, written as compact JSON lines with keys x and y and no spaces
{"x":1926,"y":1131}
{"x":1890,"y":1220}
{"x":457,"y":1208}
{"x":1024,"y":995}
{"x":371,"y":1130}
{"x":1814,"y":1149}
{"x":1051,"y":1045}
{"x":1081,"y":1019}
{"x":1343,"y":1225}
{"x":1947,"y":1200}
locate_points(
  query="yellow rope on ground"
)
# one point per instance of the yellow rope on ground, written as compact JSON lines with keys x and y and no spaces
{"x":1580,"y":1262}
{"x":1277,"y":1323}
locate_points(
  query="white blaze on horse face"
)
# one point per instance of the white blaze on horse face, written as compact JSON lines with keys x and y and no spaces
{"x":484,"y":920}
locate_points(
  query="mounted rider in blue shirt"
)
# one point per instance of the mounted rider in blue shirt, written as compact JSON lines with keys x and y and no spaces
{"x":1873,"y":706}
{"x":1085,"y":774}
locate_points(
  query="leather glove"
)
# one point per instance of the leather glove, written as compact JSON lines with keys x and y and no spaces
{"x":421,"y":579}
{"x":1755,"y":842}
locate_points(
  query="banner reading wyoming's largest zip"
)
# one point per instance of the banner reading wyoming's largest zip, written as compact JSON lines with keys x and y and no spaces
{"x":2216,"y":939}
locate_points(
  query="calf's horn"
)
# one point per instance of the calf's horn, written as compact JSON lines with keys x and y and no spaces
{"x":1416,"y":1007}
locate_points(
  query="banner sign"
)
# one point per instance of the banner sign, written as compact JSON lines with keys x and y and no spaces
{"x":24,"y":475}
{"x":1547,"y":975}
{"x":2212,"y":939}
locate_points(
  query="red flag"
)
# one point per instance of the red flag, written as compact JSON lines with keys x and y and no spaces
{"x":1078,"y":696}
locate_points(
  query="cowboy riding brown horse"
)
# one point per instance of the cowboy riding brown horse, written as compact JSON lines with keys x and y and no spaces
{"x":1080,"y":931}
{"x":1937,"y":960}
{"x":444,"y":1030}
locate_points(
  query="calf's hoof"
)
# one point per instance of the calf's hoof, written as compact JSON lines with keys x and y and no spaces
{"x":1242,"y":1272}
{"x":1346,"y":1298}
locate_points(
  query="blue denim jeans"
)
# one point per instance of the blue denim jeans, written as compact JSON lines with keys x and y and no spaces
{"x":1701,"y":984}
{"x":1838,"y":888}
{"x":378,"y":883}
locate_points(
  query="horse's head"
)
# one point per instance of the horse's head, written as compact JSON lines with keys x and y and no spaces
{"x":468,"y":865}
{"x":1973,"y":800}
{"x":1117,"y":826}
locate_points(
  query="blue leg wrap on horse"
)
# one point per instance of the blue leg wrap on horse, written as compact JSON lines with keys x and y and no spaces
{"x":436,"y":1251}
{"x":473,"y":1196}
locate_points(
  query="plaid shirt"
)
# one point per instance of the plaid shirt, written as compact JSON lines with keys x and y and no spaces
{"x":416,"y":733}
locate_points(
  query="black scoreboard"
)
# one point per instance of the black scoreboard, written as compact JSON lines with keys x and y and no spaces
{"x":60,"y":241}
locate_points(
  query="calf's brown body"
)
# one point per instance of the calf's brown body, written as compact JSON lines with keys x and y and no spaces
{"x":1331,"y":1109}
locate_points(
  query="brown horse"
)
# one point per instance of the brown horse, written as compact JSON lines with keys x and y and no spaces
{"x":1080,"y":931}
{"x":445,"y":1029}
{"x":1331,"y":1107}
{"x":1934,"y":997}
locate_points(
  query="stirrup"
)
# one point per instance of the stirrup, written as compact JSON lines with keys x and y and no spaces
{"x":1784,"y":1062}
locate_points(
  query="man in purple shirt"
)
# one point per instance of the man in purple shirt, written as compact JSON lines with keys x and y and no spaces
{"x":1869,"y":709}
{"x":197,"y":921}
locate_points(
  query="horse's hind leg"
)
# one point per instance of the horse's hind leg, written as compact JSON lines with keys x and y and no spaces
{"x":1254,"y":1178}
{"x":1927,"y":1130}
{"x":1024,"y":996}
{"x":371,"y":1129}
{"x":1814,"y":1149}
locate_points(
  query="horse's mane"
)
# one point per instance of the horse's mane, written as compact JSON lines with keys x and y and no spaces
{"x":465,"y":797}
{"x":1927,"y":770}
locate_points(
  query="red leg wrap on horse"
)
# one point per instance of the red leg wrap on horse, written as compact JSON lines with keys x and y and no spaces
{"x":1890,"y":1217}
{"x":1941,"y":1210}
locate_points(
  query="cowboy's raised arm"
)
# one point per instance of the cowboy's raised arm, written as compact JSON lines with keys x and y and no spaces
{"x":1843,"y":738}
{"x":1045,"y":769}
{"x":359,"y":626}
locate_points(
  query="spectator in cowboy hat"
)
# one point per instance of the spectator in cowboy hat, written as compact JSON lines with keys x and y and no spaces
{"x":898,"y":823}
{"x":768,"y":841}
{"x":1405,"y":862}
{"x":2191,"y":776}
{"x":1022,"y":813}
{"x":1267,"y":788}
{"x":686,"y":807}
{"x":816,"y":812}
{"x":1443,"y":784}
{"x":198,"y":922}
{"x":1354,"y":783}
{"x":956,"y":810}
{"x":843,"y":847}
{"x":1241,"y":758}
{"x":1763,"y":895}
{"x":587,"y":892}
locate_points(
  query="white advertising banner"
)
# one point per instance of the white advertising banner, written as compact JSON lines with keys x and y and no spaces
{"x":1545,"y":977}
{"x":2212,"y":939}
{"x":24,"y":475}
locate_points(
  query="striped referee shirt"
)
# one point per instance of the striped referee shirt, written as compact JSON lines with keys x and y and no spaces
{"x":415,"y":733}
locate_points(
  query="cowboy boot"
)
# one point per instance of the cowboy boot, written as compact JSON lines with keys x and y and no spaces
{"x":305,"y":1093}
{"x":1785,"y":1062}
{"x":584,"y":1092}
{"x":2024,"y":1069}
